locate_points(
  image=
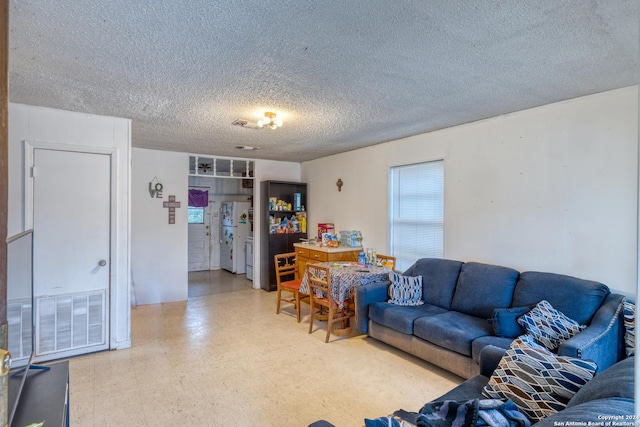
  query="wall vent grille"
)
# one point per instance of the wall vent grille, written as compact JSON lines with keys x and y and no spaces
{"x":69,"y":322}
{"x":20,"y":321}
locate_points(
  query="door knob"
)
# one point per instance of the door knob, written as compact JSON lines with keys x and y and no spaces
{"x":102,"y":263}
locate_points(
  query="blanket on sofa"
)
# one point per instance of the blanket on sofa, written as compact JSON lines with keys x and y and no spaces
{"x":468,"y":413}
{"x":474,"y":412}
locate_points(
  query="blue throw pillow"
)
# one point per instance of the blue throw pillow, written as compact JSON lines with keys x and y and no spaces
{"x":405,"y":290}
{"x":505,"y":321}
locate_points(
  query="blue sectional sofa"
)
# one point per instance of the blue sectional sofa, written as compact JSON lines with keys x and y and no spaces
{"x":454,"y":324}
{"x":608,"y":397}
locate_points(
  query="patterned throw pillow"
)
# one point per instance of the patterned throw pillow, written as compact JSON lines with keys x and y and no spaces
{"x":630,"y":328}
{"x":549,"y":326}
{"x":539,"y":382}
{"x":531,"y":342}
{"x":405,"y":290}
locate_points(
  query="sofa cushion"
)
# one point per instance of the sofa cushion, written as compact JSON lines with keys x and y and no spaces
{"x":405,"y":290}
{"x":539,"y":382}
{"x":439,"y":278}
{"x":505,"y":321}
{"x":549,"y":326}
{"x":481,"y":288}
{"x":451,"y":330}
{"x":577,"y":298}
{"x":401,"y":318}
{"x":616,"y":381}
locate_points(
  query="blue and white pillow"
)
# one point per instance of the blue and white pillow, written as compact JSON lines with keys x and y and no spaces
{"x":536,"y":380}
{"x":405,"y":290}
{"x":531,"y":342}
{"x":630,"y":328}
{"x":549,"y":326}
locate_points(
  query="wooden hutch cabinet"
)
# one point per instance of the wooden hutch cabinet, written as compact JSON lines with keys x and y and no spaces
{"x":283,"y":205}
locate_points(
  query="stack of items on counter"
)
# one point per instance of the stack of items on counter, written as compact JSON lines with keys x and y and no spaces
{"x":352,"y":239}
{"x":328,"y":237}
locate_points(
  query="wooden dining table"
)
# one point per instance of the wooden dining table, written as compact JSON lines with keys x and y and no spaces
{"x":346,"y":276}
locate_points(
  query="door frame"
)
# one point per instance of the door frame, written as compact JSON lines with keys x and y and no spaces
{"x":29,"y":148}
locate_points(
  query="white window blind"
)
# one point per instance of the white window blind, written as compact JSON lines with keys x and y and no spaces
{"x":416,"y":212}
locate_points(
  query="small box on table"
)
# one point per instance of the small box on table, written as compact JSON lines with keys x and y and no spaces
{"x":325,"y":227}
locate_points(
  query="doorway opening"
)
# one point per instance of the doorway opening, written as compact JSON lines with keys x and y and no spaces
{"x":213,"y":184}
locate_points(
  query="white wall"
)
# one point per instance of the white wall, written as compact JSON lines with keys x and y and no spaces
{"x":159,"y":251}
{"x":552,"y":188}
{"x":47,"y":125}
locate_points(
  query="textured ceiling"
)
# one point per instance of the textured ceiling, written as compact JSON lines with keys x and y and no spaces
{"x":341,"y":74}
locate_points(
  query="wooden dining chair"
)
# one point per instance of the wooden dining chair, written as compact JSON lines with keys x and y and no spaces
{"x":320,"y":295}
{"x":387,"y":261}
{"x":288,"y":280}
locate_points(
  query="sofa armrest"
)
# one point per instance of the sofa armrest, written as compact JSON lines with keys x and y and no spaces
{"x":365,"y":295}
{"x":490,"y":357}
{"x":603,"y":340}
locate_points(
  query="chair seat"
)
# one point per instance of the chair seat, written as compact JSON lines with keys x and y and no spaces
{"x":291,"y":284}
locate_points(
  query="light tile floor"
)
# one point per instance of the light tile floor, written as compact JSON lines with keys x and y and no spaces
{"x":202,"y":283}
{"x":226,"y":359}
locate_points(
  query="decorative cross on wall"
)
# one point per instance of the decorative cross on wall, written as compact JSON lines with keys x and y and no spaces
{"x":172,"y":205}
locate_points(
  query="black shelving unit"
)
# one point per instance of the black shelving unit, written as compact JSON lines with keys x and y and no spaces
{"x":273,"y":244}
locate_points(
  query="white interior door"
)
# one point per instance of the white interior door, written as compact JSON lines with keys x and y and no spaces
{"x":71,"y":251}
{"x":199,"y":242}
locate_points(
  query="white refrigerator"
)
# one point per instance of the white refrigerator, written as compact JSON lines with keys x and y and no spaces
{"x":234,"y":229}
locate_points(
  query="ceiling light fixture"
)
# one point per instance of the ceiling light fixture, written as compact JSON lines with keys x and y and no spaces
{"x":246,"y":147}
{"x":270,"y":120}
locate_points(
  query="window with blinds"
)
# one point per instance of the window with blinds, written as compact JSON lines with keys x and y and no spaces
{"x":416,"y":212}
